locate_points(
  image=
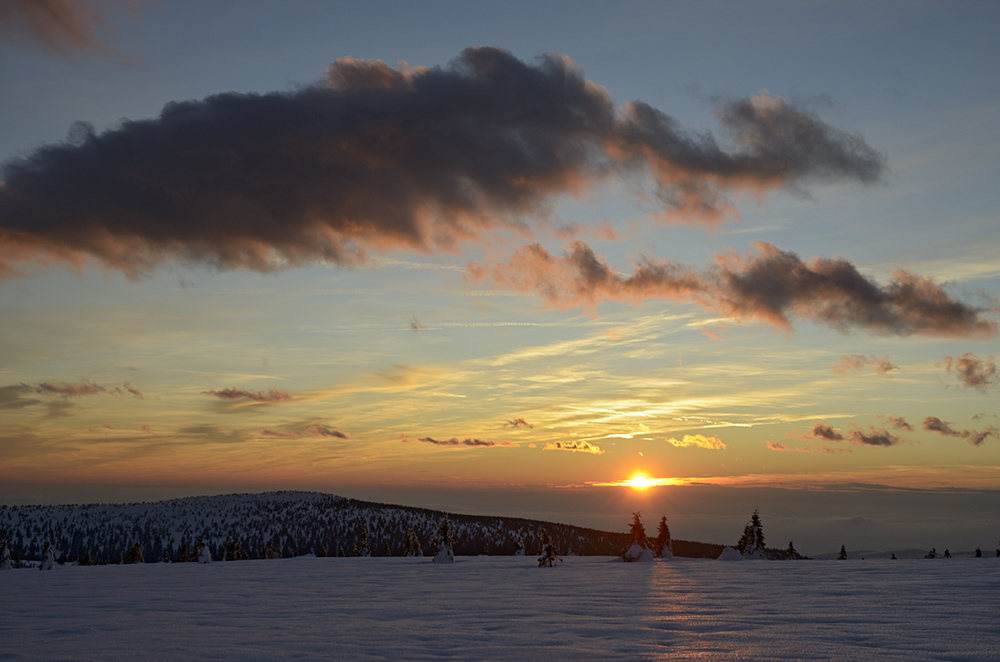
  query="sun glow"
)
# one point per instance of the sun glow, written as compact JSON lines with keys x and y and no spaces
{"x":640,"y":482}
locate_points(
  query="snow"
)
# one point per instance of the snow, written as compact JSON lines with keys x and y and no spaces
{"x":730,"y":554}
{"x":638,"y":553}
{"x":504,"y":608}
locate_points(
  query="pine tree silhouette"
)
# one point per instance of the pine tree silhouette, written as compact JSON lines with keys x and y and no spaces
{"x":792,"y":553}
{"x":843,"y":554}
{"x":548,"y":555}
{"x":664,"y":544}
{"x":411,"y":545}
{"x":361,"y":547}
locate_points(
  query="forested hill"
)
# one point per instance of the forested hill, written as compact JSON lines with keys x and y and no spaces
{"x":298,"y":522}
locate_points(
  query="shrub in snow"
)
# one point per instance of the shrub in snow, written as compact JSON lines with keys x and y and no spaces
{"x":4,"y":555}
{"x":411,"y":546}
{"x":204,"y":553}
{"x":638,"y":548}
{"x":751,"y":544}
{"x":444,"y":543}
{"x":548,"y":555}
{"x":361,"y":547}
{"x":664,"y":547}
{"x":730,"y":554}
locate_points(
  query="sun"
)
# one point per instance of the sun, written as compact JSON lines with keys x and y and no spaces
{"x":640,"y":482}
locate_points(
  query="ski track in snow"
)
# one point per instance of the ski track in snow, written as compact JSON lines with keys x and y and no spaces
{"x":504,"y":608}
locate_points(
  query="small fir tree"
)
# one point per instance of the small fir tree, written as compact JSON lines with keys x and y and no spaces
{"x":792,"y":553}
{"x":548,"y":555}
{"x":48,"y":557}
{"x":979,"y":553}
{"x":444,"y":543}
{"x":931,"y":554}
{"x":638,"y":548}
{"x":271,"y":550}
{"x":185,"y":554}
{"x":751,"y":544}
{"x":947,"y":554}
{"x":664,"y":544}
{"x":5,"y":563}
{"x":340,"y":551}
{"x":165,"y":557}
{"x":361,"y":547}
{"x":892,"y":557}
{"x":411,"y":545}
{"x":321,"y":552}
{"x":135,"y":554}
{"x":843,"y":554}
{"x":204,"y":554}
{"x":520,"y":547}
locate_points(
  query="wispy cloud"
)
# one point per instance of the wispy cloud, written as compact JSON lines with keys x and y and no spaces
{"x":698,"y":441}
{"x":857,"y":362}
{"x":468,"y":442}
{"x":972,"y":371}
{"x":272,"y":395}
{"x":974,"y":437}
{"x":62,"y":27}
{"x":767,"y":284}
{"x":517,"y":422}
{"x":375,"y":158}
{"x":325,"y":431}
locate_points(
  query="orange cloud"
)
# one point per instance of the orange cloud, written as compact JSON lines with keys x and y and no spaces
{"x":698,"y":441}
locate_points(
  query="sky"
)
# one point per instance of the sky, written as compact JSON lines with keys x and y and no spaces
{"x":502,"y":259}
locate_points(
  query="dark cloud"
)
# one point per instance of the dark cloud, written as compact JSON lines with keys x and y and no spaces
{"x":517,"y":422}
{"x":871,"y":437}
{"x":69,"y":390}
{"x":324,"y":431}
{"x":376,"y":158}
{"x":272,"y":395}
{"x":974,"y":437}
{"x":12,"y":397}
{"x":824,"y":431}
{"x":766,"y":284}
{"x":857,"y":362}
{"x":897,"y":422}
{"x":972,"y":371}
{"x":267,"y":432}
{"x":136,"y":393}
{"x":63,"y":27}
{"x":480,"y":443}
{"x":575,"y":447}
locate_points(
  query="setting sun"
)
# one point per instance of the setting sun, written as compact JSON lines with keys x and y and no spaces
{"x":640,"y":482}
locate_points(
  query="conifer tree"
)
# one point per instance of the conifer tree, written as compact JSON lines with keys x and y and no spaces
{"x":135,"y":554}
{"x":5,"y":555}
{"x":411,"y":545}
{"x":751,"y":544}
{"x":185,"y":554}
{"x":48,"y":557}
{"x":321,"y":552}
{"x":444,"y":543}
{"x":165,"y":558}
{"x":892,"y":557}
{"x":638,"y":548}
{"x":947,"y":554}
{"x":361,"y":547}
{"x":520,"y":547}
{"x":340,"y":551}
{"x":204,"y":554}
{"x":664,"y":544}
{"x":792,"y":553}
{"x":931,"y":554}
{"x":979,"y":553}
{"x":843,"y":554}
{"x":548,"y":555}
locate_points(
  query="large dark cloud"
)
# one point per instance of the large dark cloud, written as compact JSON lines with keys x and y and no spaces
{"x":766,"y":284}
{"x":469,"y":441}
{"x":871,"y":437}
{"x":234,"y":393}
{"x":376,"y":157}
{"x":974,"y":437}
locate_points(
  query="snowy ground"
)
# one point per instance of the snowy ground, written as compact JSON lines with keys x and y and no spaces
{"x":505,"y":608}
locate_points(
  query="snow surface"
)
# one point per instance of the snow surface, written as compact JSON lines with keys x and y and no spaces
{"x":504,"y":608}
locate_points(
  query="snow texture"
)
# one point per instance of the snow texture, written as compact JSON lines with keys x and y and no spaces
{"x":505,"y":608}
{"x":444,"y":555}
{"x":638,"y":553}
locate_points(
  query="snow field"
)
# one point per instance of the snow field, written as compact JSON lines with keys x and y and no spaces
{"x":505,"y":608}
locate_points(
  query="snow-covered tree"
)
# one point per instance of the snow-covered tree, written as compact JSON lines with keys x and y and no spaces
{"x":664,"y":547}
{"x":792,"y":553}
{"x":751,"y":544}
{"x":947,"y":554}
{"x":520,"y":547}
{"x":931,"y":554}
{"x":638,"y":548}
{"x":548,"y":554}
{"x":135,"y":554}
{"x":5,"y":555}
{"x":165,"y":558}
{"x":203,"y":552}
{"x":843,"y":554}
{"x":271,"y":550}
{"x":411,"y":545}
{"x":361,"y":547}
{"x":444,"y":543}
{"x":48,"y":557}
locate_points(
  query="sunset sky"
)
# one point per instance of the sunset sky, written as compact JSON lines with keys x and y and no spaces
{"x":501,"y":258}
